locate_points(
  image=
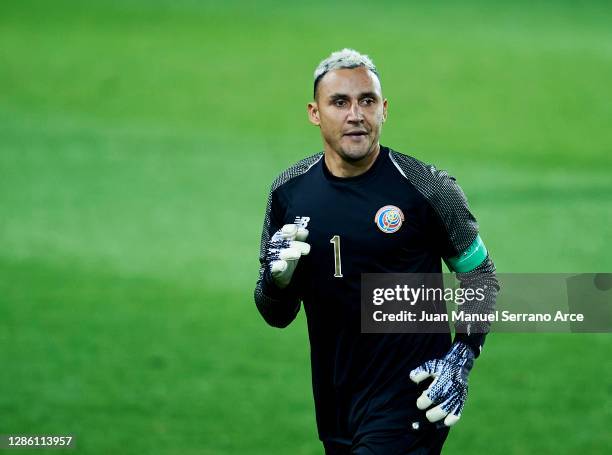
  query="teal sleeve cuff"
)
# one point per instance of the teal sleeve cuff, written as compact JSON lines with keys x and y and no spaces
{"x":471,"y":258}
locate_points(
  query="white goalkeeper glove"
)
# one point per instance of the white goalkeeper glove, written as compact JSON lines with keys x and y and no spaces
{"x":285,"y":248}
{"x":449,"y":388}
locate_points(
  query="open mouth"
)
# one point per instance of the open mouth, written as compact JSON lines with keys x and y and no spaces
{"x":356,"y":133}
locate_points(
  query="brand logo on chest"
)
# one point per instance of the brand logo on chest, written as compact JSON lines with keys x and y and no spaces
{"x":302,"y":221}
{"x":389,"y":219}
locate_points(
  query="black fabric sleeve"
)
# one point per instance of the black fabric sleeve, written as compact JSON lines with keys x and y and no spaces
{"x":460,"y":229}
{"x":483,"y":277}
{"x":279,"y":307}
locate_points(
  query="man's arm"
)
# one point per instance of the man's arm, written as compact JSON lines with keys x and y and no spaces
{"x":459,"y":244}
{"x":466,"y":255}
{"x":457,"y":240}
{"x":481,"y":277}
{"x":279,"y":307}
{"x":277,"y":301}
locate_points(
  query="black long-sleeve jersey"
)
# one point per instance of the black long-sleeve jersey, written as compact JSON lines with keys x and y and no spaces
{"x":400,"y":216}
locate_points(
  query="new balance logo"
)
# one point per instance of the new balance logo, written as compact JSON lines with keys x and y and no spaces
{"x":302,"y":221}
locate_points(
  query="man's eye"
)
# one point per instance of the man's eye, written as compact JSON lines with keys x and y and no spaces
{"x":367,"y":101}
{"x":340,"y":103}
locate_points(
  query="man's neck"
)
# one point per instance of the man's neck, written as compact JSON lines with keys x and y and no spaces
{"x":340,"y":167}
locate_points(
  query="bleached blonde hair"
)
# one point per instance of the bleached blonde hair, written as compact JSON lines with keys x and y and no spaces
{"x":346,"y":58}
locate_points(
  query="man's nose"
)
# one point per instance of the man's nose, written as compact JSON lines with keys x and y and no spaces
{"x":355,"y":114}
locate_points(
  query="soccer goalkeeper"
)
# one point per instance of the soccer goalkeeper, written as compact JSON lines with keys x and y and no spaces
{"x":360,"y":207}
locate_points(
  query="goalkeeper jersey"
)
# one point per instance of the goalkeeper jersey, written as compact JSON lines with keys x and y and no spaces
{"x":400,"y":216}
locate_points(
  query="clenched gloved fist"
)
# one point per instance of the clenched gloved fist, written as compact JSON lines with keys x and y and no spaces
{"x":285,"y":248}
{"x":448,"y":391}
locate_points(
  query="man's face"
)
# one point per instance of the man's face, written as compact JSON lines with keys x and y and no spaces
{"x":350,"y":111}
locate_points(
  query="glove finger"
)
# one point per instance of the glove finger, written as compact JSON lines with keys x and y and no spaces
{"x":419,"y":374}
{"x":428,"y":397}
{"x":461,"y":403}
{"x":302,"y":234}
{"x":289,"y":231}
{"x":423,"y":372}
{"x":451,"y":419}
{"x":278,"y":267}
{"x":303,"y":247}
{"x":290,"y":254}
{"x":282,"y":279}
{"x":437,"y":413}
{"x":455,"y":414}
{"x":423,"y":402}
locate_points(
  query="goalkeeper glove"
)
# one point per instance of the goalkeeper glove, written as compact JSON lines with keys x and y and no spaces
{"x":284,"y":251}
{"x":449,"y":388}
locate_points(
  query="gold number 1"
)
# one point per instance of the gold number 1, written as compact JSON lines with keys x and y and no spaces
{"x":337,"y":261}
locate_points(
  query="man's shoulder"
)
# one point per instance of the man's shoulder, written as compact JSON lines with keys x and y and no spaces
{"x":426,"y":177}
{"x":296,"y":170}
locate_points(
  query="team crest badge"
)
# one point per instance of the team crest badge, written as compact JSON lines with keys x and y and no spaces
{"x":389,"y":219}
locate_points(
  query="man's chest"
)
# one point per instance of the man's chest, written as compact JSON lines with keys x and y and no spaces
{"x":356,"y":230}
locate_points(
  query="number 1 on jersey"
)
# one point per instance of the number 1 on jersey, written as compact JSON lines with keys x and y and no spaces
{"x":337,"y":260}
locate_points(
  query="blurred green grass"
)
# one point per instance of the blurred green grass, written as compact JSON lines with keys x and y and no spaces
{"x":137,"y":144}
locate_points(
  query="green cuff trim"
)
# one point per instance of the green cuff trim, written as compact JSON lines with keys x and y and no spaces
{"x":471,"y":258}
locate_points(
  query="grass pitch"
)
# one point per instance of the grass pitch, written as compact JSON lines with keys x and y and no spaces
{"x":137,"y":144}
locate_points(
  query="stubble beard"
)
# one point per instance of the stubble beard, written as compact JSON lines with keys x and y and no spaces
{"x":357,"y":152}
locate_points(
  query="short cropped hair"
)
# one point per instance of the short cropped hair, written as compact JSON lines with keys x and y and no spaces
{"x":346,"y":58}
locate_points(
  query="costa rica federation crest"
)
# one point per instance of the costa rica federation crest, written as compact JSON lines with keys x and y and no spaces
{"x":389,"y":219}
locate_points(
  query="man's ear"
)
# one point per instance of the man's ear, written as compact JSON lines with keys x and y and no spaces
{"x":313,"y":113}
{"x":385,"y":103}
